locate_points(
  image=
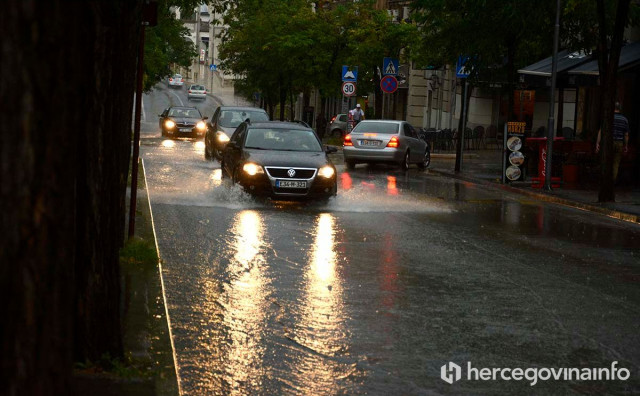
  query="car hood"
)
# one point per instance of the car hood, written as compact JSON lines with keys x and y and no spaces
{"x":228,"y":130}
{"x":301,"y":159}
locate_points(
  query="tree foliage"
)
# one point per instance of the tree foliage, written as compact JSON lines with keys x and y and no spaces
{"x":166,"y":44}
{"x":287,"y":47}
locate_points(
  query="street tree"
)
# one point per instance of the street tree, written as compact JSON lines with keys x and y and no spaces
{"x":599,"y":27}
{"x":64,"y":168}
{"x":166,"y":44}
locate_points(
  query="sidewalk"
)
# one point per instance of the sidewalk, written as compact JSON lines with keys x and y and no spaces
{"x":485,"y":167}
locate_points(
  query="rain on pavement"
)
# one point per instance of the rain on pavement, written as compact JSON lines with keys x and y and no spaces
{"x":372,"y":292}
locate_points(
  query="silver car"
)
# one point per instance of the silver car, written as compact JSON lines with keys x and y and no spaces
{"x":385,"y":141}
{"x":338,"y":125}
{"x":197,"y":92}
{"x":176,"y":81}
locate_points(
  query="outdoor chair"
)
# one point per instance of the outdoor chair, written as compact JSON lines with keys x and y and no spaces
{"x":490,"y":134}
{"x":478,"y":135}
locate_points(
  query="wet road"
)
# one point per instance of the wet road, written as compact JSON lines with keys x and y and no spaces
{"x":374,"y":291}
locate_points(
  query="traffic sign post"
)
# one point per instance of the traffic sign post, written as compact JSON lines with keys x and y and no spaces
{"x":388,"y":84}
{"x":348,"y":88}
{"x":349,"y":74}
{"x":390,"y":66}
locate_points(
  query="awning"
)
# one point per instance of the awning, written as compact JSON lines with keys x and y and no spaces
{"x":566,"y":60}
{"x":629,"y":58}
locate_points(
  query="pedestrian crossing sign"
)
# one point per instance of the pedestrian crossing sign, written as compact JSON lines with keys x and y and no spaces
{"x":390,"y":67}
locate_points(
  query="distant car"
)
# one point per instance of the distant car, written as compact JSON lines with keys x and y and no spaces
{"x":182,"y":122}
{"x":176,"y":81}
{"x":338,"y":125}
{"x":386,"y":141}
{"x":223,"y":122}
{"x":282,"y":160}
{"x":197,"y":92}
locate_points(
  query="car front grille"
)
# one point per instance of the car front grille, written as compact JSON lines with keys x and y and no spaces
{"x":283,"y":173}
{"x":185,"y":124}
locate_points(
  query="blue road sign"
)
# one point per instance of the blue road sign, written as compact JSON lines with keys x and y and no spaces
{"x":388,"y":84}
{"x":213,"y":67}
{"x":463,"y":69}
{"x":390,"y":66}
{"x":349,"y":75}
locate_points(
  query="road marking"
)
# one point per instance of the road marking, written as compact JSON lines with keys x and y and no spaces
{"x":176,"y":95}
{"x":164,"y":294}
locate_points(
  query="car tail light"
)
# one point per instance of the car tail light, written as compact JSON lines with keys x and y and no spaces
{"x":333,"y":119}
{"x":182,"y":80}
{"x":393,"y":142}
{"x":171,"y":79}
{"x":189,"y":91}
{"x":347,"y":141}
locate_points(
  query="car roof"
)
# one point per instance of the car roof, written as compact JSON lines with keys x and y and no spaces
{"x":385,"y":121}
{"x":241,"y":108}
{"x":183,"y":107}
{"x":278,"y":125}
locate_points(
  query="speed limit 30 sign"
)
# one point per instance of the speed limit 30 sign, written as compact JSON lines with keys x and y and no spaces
{"x":348,"y":88}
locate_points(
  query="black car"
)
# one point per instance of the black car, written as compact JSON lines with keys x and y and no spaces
{"x":223,"y":122}
{"x":182,"y":122}
{"x":282,"y":160}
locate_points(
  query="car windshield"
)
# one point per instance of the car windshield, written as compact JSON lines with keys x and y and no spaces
{"x":177,"y":76}
{"x":233,"y":118}
{"x":186,"y":113}
{"x":282,"y":139}
{"x":197,"y":87}
{"x":376,"y":127}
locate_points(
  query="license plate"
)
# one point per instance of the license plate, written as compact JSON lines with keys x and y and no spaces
{"x":185,"y":129}
{"x":369,"y":142}
{"x":291,"y":184}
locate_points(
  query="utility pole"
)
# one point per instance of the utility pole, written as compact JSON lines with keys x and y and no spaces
{"x":552,"y":104}
{"x":149,"y":18}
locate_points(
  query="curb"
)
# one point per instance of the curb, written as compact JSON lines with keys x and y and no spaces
{"x":628,"y":217}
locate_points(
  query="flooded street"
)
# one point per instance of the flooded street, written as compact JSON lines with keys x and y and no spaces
{"x":374,"y":291}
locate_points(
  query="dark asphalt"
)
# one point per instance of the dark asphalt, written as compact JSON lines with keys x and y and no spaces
{"x":373,"y":292}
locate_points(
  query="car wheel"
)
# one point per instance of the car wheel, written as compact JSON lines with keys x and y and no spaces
{"x":217,"y":153}
{"x":405,"y":162}
{"x":426,"y":160}
{"x":350,"y":164}
{"x":223,"y":172}
{"x":207,"y":156}
{"x":336,"y":132}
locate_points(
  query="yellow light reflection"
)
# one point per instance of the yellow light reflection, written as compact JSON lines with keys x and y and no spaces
{"x":322,"y":326}
{"x":168,"y":143}
{"x":199,"y":146}
{"x":246,"y":300}
{"x":216,"y":175}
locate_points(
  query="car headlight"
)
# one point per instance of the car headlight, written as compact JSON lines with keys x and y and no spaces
{"x":252,"y":169}
{"x":326,"y":171}
{"x":169,"y":124}
{"x":201,"y":126}
{"x":222,"y":137}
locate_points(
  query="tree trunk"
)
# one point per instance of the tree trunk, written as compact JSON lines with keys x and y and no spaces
{"x":608,"y":67}
{"x":64,"y":172}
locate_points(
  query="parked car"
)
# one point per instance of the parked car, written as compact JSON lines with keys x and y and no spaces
{"x":386,"y":141}
{"x":176,"y":81}
{"x":338,"y":125}
{"x":197,"y":92}
{"x":223,"y":122}
{"x":283,"y":160}
{"x":180,"y":121}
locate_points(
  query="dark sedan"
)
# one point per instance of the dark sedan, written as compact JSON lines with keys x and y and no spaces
{"x":224,"y":121}
{"x":182,"y":122}
{"x":282,"y":160}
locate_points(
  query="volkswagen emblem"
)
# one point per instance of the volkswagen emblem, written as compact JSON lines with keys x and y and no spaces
{"x":291,"y":173}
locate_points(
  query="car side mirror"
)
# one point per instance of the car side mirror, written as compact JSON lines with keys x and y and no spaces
{"x":331,"y":149}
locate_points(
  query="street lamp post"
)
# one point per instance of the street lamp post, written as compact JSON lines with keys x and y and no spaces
{"x":552,"y":104}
